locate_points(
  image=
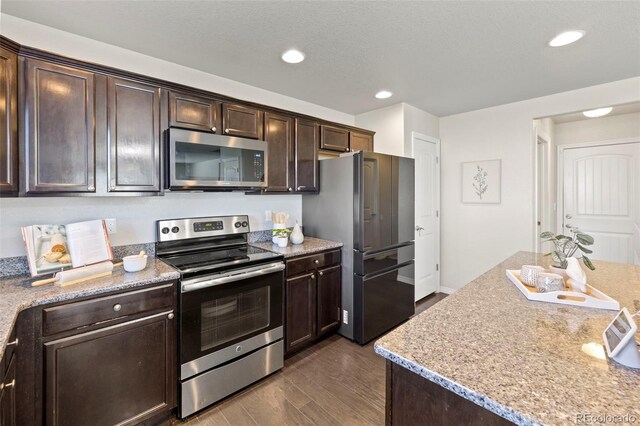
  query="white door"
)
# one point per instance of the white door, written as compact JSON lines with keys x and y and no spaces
{"x":602,"y":198}
{"x":426,"y":152}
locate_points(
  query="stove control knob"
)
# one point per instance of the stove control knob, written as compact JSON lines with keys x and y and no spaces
{"x":175,"y":229}
{"x":238,"y":224}
{"x":245,"y":224}
{"x":165,"y":230}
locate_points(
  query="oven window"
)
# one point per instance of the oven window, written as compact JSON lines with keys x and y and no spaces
{"x":218,"y":163}
{"x":228,"y":318}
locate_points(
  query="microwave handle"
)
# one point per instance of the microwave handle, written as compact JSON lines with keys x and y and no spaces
{"x":231,"y":278}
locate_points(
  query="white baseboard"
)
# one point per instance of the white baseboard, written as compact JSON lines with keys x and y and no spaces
{"x":447,"y":290}
{"x":406,"y":280}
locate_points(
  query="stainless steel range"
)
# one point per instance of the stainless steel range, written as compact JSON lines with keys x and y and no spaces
{"x":231,"y":307}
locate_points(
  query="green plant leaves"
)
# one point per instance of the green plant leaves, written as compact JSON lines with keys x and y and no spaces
{"x":584,"y":249}
{"x":584,"y":239}
{"x":558,"y":256}
{"x":588,"y":263}
{"x":547,"y":235}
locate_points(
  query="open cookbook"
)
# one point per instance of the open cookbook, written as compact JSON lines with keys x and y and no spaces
{"x":51,"y":248}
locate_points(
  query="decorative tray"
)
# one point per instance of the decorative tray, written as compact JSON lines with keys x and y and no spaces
{"x":592,"y":299}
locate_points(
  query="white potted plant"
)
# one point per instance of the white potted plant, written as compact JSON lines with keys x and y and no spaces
{"x":281,"y":237}
{"x":566,"y":247}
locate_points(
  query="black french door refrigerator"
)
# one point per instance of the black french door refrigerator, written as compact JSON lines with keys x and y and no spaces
{"x":366,"y":201}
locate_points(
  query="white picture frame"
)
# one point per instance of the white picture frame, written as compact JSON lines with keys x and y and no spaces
{"x":482,"y":182}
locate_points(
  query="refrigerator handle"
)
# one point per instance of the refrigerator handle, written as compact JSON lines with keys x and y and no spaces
{"x":369,"y":253}
{"x":387,"y":270}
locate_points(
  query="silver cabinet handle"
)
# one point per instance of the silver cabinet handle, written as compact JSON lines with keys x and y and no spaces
{"x":231,"y":277}
{"x":15,"y":342}
{"x":112,"y":188}
{"x":313,"y":277}
{"x":8,"y":385}
{"x":316,"y":261}
{"x":226,"y":130}
{"x":170,"y":316}
{"x":320,"y":273}
{"x":301,"y":187}
{"x":91,"y":188}
{"x":290,"y":189}
{"x":213,"y":129}
{"x":117,"y":307}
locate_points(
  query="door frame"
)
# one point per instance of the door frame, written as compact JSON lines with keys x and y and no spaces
{"x":436,"y":141}
{"x":539,"y":137}
{"x":560,"y":170}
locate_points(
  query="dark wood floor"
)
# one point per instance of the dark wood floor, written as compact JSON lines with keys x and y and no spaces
{"x":335,"y":382}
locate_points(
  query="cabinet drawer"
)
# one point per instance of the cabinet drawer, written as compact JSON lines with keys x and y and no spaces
{"x":80,"y":314}
{"x":307,"y":263}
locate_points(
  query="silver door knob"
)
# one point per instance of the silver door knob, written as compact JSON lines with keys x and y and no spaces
{"x":568,"y":216}
{"x":568,"y":226}
{"x":419,"y":228}
{"x":117,"y":307}
{"x":170,"y":316}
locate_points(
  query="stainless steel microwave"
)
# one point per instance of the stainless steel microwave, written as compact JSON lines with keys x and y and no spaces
{"x":206,"y":161}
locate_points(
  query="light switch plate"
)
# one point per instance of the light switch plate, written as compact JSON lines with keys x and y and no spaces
{"x":111,"y":225}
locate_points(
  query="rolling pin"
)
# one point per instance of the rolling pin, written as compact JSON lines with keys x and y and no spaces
{"x":77,"y":275}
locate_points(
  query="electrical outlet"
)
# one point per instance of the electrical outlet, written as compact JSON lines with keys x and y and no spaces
{"x":111,"y":225}
{"x":267,"y":215}
{"x":345,"y":316}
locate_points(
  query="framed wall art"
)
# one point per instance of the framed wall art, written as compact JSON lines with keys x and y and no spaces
{"x":481,"y":182}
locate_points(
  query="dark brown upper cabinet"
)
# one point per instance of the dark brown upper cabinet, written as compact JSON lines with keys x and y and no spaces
{"x":8,"y":122}
{"x":192,"y":112}
{"x":334,"y":138}
{"x":307,"y":134}
{"x":243,"y":121}
{"x":361,"y":141}
{"x":133,"y":136}
{"x":279,"y":137}
{"x":60,"y":132}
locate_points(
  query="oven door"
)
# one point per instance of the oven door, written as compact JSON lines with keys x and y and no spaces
{"x":229,"y":315}
{"x":199,"y":160}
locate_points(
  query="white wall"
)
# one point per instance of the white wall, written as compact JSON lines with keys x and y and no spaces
{"x":136,"y":216}
{"x":393,"y":126}
{"x":476,"y":237}
{"x":598,"y":129}
{"x":72,"y":45}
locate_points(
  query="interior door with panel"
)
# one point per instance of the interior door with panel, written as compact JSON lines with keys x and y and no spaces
{"x":243,"y":121}
{"x":279,"y":137}
{"x":60,"y":133}
{"x":601,"y":197}
{"x":192,"y":112}
{"x":306,"y":155}
{"x":8,"y":122}
{"x":133,"y":136}
{"x":427,"y":245}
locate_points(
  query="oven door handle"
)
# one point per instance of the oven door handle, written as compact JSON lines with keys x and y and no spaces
{"x":231,"y":278}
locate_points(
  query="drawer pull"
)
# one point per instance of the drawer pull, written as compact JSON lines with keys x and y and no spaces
{"x":8,"y":385}
{"x":320,"y":273}
{"x":316,"y":261}
{"x":213,"y":129}
{"x":170,"y":316}
{"x":117,"y":307}
{"x":15,"y":342}
{"x":290,"y":189}
{"x":301,"y":187}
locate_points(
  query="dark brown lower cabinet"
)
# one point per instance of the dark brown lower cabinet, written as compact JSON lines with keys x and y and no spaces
{"x":8,"y":395}
{"x":312,"y":298}
{"x":121,"y":374}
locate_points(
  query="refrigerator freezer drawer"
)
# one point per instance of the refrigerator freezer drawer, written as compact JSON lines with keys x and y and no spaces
{"x":382,"y":301}
{"x":373,"y":261}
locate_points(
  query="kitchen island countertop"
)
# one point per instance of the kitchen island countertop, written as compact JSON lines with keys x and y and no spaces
{"x":310,"y":245}
{"x":17,"y":293}
{"x":521,"y":359}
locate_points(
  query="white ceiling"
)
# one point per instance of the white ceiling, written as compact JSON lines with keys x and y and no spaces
{"x":631,"y":108}
{"x":445,"y":57}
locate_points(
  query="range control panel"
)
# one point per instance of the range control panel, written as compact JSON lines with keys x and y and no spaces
{"x":198,"y":227}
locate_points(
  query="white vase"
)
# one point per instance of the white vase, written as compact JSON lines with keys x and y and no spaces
{"x":282,"y":241}
{"x":560,"y":271}
{"x":273,"y":233}
{"x":296,"y":236}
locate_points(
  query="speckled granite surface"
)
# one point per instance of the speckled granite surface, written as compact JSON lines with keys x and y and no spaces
{"x":310,"y":245}
{"x":16,"y":294}
{"x":520,"y":359}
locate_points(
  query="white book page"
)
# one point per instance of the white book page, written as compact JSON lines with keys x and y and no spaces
{"x":88,"y":243}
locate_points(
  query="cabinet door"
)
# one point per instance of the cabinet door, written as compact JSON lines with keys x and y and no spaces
{"x":8,"y":396}
{"x":8,"y":122}
{"x":300,"y":310}
{"x":60,"y":132}
{"x":334,"y":138}
{"x":239,"y":120}
{"x":278,"y":134}
{"x":306,"y":156}
{"x":133,"y":136}
{"x":191,"y":112}
{"x":121,"y":374}
{"x":329,"y":297}
{"x":361,"y":142}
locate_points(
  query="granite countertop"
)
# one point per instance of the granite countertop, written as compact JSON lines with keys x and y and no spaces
{"x":521,"y":359}
{"x":17,"y":293}
{"x":309,"y":245}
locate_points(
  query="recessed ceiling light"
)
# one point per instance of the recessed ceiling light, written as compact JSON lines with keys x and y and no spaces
{"x":565,"y":38}
{"x":383,"y":94}
{"x":595,"y":113}
{"x":293,"y":56}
